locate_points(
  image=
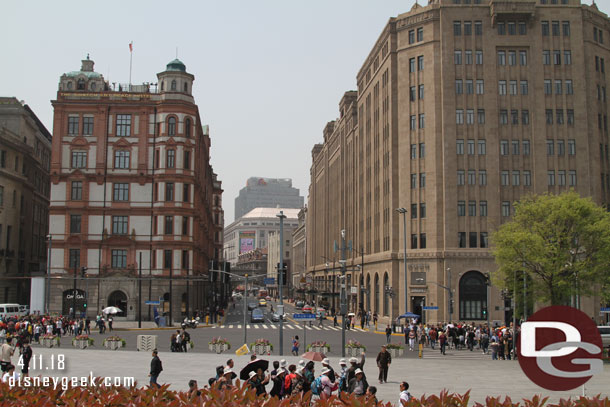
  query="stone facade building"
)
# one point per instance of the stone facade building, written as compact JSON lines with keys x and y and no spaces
{"x":267,"y":193}
{"x":273,"y":259}
{"x":25,"y":156}
{"x":462,"y":108}
{"x":133,"y":196}
{"x":299,"y":254}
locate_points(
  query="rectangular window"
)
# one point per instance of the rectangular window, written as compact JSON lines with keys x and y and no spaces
{"x":504,"y":179}
{"x":505,"y":208}
{"x":572,"y":178}
{"x":469,"y":87}
{"x":551,"y":178}
{"x":561,"y":177}
{"x":87,"y":126}
{"x":550,"y":147}
{"x":79,"y":159}
{"x":459,"y":116}
{"x":186,"y":193}
{"x":119,"y":225}
{"x":459,"y":88}
{"x":569,"y":88}
{"x":422,"y":240}
{"x":169,"y":225}
{"x":420,"y":62}
{"x":526,"y":147}
{"x":555,"y":28}
{"x":187,"y":160}
{"x":472,"y":177}
{"x":420,"y":34}
{"x":185,"y":226}
{"x":170,"y":159}
{"x":558,"y":87}
{"x":472,"y":239}
{"x":422,"y":210}
{"x":422,"y":180}
{"x":74,"y":260}
{"x":480,"y":86}
{"x":413,"y":151}
{"x":557,"y":57}
{"x":469,"y":116}
{"x":512,"y":88}
{"x":478,"y":57}
{"x":481,"y":116}
{"x":523,"y":58}
{"x":461,"y":239}
{"x":185,"y":260}
{"x":549,"y":116}
{"x":522,"y":28}
{"x":546,"y":57}
{"x":461,"y":208}
{"x":503,"y":147}
{"x":457,"y":28}
{"x":421,"y":91}
{"x":167,"y":259}
{"x":76,"y":193}
{"x":514,"y":117}
{"x":482,"y":147}
{"x":461,"y":177}
{"x":515,"y":147}
{"x":527,"y":178}
{"x":121,"y":159}
{"x":501,"y":58}
{"x":73,"y":126}
{"x":413,"y":122}
{"x":501,"y":29}
{"x":413,"y":181}
{"x":559,"y":114}
{"x":422,"y":150}
{"x":570,"y":114}
{"x":571,"y":147}
{"x":75,"y":222}
{"x":566,"y":28}
{"x":169,"y":191}
{"x":484,"y":240}
{"x":503,"y":117}
{"x":457,"y":57}
{"x":482,"y":177}
{"x":512,"y":28}
{"x":120,"y":192}
{"x":412,"y":95}
{"x":567,"y":57}
{"x":119,"y":259}
{"x":512,"y":58}
{"x":414,"y":211}
{"x":468,"y":57}
{"x":545,"y":27}
{"x":548,"y":89}
{"x":467,"y":27}
{"x":459,"y":147}
{"x":472,"y":208}
{"x":478,"y":28}
{"x":411,"y":64}
{"x":483,"y":208}
{"x":525,"y":117}
{"x":470,"y":147}
{"x":516,"y":178}
{"x":413,"y":241}
{"x":560,"y":147}
{"x":123,"y":125}
{"x":502,"y":87}
{"x":422,"y":120}
{"x":411,"y":36}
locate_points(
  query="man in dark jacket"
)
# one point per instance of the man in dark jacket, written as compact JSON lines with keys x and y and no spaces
{"x":155,"y":369}
{"x":358,"y":384}
{"x":351,"y":372}
{"x":383,"y":363}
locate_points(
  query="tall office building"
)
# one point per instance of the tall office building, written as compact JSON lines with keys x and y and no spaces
{"x":133,"y":195}
{"x":25,"y":154}
{"x":462,"y":108}
{"x":267,"y":193}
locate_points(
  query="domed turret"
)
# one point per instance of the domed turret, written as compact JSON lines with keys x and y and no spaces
{"x":175,"y":79}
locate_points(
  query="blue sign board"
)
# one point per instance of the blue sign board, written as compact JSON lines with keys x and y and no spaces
{"x":605,"y":309}
{"x":304,"y":316}
{"x":430,"y":308}
{"x":269,"y":280}
{"x":153,"y":303}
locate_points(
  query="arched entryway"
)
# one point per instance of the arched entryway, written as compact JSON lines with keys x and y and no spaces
{"x":473,"y":296}
{"x":368,"y":292}
{"x":386,"y":297}
{"x":377,"y":293}
{"x":118,"y":299}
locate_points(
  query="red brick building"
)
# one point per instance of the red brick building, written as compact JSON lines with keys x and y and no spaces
{"x":132,"y":191}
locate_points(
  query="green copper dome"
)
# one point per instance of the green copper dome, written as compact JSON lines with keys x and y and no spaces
{"x":176,"y":65}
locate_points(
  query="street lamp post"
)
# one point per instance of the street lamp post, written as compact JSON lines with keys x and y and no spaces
{"x":342,"y":299}
{"x":403,"y":211}
{"x":280,"y":307}
{"x":48,"y":286}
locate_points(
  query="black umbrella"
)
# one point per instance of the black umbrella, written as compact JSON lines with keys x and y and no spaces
{"x":253,"y":367}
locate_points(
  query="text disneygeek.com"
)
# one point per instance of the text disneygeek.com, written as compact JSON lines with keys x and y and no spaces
{"x":70,"y":381}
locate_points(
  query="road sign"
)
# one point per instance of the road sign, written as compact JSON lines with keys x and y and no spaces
{"x":430,"y":308}
{"x":153,"y":303}
{"x":269,"y":280}
{"x":304,"y":316}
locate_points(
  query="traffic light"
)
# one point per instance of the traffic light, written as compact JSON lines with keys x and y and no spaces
{"x":85,"y":305}
{"x":484,"y":312}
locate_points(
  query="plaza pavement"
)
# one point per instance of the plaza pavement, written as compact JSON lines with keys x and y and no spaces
{"x":426,"y":376}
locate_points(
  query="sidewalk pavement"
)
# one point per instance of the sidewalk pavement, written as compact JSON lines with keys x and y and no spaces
{"x":426,"y":376}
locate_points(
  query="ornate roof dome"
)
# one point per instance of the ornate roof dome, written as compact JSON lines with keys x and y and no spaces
{"x":176,"y":65}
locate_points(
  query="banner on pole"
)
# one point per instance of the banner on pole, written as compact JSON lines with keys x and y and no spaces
{"x":244,"y":350}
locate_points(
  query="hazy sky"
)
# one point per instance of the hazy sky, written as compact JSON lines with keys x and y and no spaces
{"x":269,"y":74}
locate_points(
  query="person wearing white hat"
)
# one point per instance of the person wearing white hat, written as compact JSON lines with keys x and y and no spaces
{"x":343,"y":375}
{"x":298,"y":381}
{"x":327,"y":386}
{"x":226,"y":381}
{"x":358,"y":383}
{"x":278,"y":383}
{"x":355,"y":365}
{"x":331,"y":375}
{"x":301,"y":363}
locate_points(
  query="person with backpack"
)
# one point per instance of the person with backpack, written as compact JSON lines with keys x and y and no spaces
{"x":323,"y":386}
{"x":308,"y":376}
{"x":405,"y":396}
{"x":326,"y":365}
{"x":343,"y":375}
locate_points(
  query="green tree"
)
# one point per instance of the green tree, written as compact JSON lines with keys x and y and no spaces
{"x":561,"y":241}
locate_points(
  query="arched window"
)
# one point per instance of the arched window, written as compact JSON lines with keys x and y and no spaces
{"x":69,"y":86}
{"x":162,"y":86}
{"x":118,"y":299}
{"x":173,"y":85}
{"x":376,"y":293}
{"x":473,"y":296}
{"x":92,"y":86}
{"x":171,"y":126}
{"x":368,"y":292}
{"x":80,"y":85}
{"x":186,"y":88}
{"x":386,"y":297}
{"x":187,"y":128}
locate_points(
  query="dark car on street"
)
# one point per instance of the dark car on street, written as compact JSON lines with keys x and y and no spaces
{"x":257,"y":315}
{"x":252,"y":305}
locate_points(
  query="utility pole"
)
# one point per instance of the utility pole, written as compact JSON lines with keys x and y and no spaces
{"x":342,"y":300}
{"x":171,"y":297}
{"x":280,"y":308}
{"x":524,"y":295}
{"x":74,"y":295}
{"x":139,"y":292}
{"x":48,"y":286}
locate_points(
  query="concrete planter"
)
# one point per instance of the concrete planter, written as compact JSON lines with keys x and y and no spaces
{"x":218,"y":347}
{"x":396,"y":352}
{"x":113,"y":345}
{"x":49,"y":343}
{"x":353,"y":352}
{"x":82,"y":344}
{"x":262,"y":349}
{"x":321,"y":349}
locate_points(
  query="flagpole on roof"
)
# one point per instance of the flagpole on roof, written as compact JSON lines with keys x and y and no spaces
{"x":130,"y":61}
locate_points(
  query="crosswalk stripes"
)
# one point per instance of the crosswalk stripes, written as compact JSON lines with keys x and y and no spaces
{"x":238,"y":326}
{"x":287,"y":326}
{"x":264,"y":326}
{"x":455,"y":355}
{"x":273,"y":326}
{"x":230,"y":326}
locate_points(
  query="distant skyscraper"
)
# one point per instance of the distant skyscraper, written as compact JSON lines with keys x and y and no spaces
{"x":267,"y":193}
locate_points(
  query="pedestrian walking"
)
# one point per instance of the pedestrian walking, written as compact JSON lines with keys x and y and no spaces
{"x":321,"y":320}
{"x":388,"y":333}
{"x":26,"y":356}
{"x":442,"y":340}
{"x":110,"y":320}
{"x":405,"y":396}
{"x":411,"y":339}
{"x":156,"y":367}
{"x":6,"y":351}
{"x":384,"y":359}
{"x":295,"y":345}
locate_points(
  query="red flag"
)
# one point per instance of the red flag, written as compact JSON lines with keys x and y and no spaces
{"x":131,"y":46}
